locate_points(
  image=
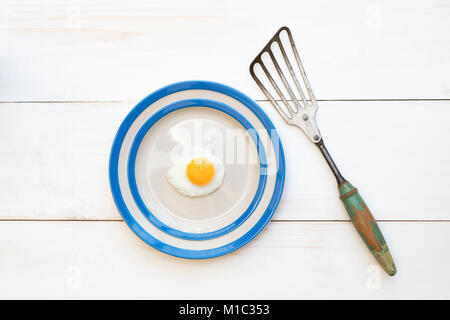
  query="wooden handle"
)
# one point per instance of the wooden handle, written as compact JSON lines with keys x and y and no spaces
{"x":367,"y":226}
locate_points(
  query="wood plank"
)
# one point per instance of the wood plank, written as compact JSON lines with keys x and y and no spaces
{"x":289,"y":260}
{"x":54,"y":160}
{"x":109,"y":50}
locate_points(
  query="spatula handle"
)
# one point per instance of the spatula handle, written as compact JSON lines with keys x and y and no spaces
{"x":367,"y":226}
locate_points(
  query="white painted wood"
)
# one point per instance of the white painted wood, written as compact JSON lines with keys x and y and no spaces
{"x":115,"y":50}
{"x":54,"y":160}
{"x":288,"y":260}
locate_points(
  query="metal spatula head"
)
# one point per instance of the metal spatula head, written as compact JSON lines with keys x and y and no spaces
{"x":296,"y":109}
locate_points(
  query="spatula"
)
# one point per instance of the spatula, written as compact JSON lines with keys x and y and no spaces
{"x":299,"y":110}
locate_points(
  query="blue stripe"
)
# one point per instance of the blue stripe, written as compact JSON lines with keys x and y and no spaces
{"x":114,"y":178}
{"x":132,"y":163}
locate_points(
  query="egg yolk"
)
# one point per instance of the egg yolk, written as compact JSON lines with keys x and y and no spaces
{"x":200,"y":171}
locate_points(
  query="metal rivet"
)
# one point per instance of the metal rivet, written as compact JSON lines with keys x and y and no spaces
{"x":305,"y":117}
{"x":316,"y":138}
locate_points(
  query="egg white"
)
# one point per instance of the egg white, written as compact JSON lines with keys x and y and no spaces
{"x":177,"y":176}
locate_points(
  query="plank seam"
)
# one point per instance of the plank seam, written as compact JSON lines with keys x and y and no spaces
{"x":257,"y":100}
{"x":275,"y":221}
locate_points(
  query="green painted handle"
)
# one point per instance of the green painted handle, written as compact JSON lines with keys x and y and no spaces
{"x":367,"y":226}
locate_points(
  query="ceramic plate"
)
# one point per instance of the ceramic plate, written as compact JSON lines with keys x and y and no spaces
{"x":197,"y":115}
{"x":162,"y":140}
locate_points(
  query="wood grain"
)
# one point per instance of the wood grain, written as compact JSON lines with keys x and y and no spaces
{"x":114,"y":50}
{"x":367,"y":226}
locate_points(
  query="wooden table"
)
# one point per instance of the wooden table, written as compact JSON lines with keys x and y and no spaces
{"x":71,"y":70}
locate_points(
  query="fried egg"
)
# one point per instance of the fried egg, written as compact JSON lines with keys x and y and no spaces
{"x":197,"y":175}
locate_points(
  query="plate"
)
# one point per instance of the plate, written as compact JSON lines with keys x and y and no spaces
{"x":198,"y":218}
{"x":191,"y":236}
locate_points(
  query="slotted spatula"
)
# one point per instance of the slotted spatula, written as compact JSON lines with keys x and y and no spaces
{"x":301,"y":112}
